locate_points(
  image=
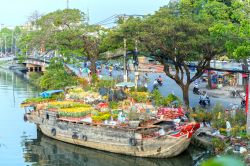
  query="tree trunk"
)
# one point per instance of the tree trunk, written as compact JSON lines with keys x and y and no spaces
{"x":93,"y":65}
{"x":185,"y":94}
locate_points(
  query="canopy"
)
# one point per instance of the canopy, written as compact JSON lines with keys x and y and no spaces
{"x":86,"y":70}
{"x":103,"y":77}
{"x":49,"y":93}
{"x":127,"y":84}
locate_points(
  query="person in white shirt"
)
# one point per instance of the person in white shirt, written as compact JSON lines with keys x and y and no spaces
{"x":228,"y":128}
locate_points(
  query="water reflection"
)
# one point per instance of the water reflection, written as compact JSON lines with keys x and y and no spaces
{"x":47,"y":151}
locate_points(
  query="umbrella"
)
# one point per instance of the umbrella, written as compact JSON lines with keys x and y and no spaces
{"x":102,"y":77}
{"x":86,"y":70}
{"x":127,"y":84}
{"x":49,"y":93}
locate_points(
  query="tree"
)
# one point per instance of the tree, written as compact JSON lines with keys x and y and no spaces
{"x":176,"y":35}
{"x":55,"y":77}
{"x":6,"y":39}
{"x":67,"y":32}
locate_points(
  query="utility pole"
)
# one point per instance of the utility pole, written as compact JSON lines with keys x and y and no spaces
{"x":1,"y":45}
{"x":12,"y":42}
{"x":136,"y":65}
{"x":5,"y":44}
{"x":125,"y":76}
{"x":67,"y":4}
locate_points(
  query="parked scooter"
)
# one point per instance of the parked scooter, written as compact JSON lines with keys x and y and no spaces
{"x":196,"y":91}
{"x":243,"y":100}
{"x":243,"y":103}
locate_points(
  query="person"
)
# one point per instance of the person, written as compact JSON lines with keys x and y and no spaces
{"x":80,"y":71}
{"x":145,"y":77}
{"x":204,"y":98}
{"x":159,"y":80}
{"x":196,"y":88}
{"x":126,"y":89}
{"x":228,"y":128}
{"x":110,"y":71}
{"x":155,"y":84}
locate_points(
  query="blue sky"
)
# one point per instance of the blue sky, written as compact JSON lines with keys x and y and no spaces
{"x":16,"y":12}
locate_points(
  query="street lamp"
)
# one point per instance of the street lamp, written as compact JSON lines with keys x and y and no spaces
{"x":67,"y":4}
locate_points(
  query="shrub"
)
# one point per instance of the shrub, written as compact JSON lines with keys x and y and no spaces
{"x":101,"y":116}
{"x":157,"y":97}
{"x":140,"y":89}
{"x":113,"y":104}
{"x":94,"y":78}
{"x":218,"y":145}
{"x":56,"y":77}
{"x":34,"y":78}
{"x":141,"y":97}
{"x":105,"y":84}
{"x":132,"y":115}
{"x":82,"y":82}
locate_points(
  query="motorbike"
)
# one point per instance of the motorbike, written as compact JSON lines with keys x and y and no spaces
{"x":204,"y":102}
{"x":159,"y":82}
{"x":196,"y":91}
{"x":243,"y":103}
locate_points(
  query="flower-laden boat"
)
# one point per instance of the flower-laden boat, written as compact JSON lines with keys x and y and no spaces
{"x":165,"y":134}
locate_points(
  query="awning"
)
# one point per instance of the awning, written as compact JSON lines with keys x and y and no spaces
{"x":49,"y":93}
{"x":125,"y":84}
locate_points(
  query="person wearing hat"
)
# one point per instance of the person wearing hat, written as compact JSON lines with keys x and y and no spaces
{"x":196,"y":88}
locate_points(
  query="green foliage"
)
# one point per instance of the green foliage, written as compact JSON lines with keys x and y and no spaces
{"x":201,"y":115}
{"x":101,"y":116}
{"x":133,"y":115}
{"x":73,"y":114}
{"x":220,"y":116}
{"x":113,"y":104}
{"x":218,"y":144}
{"x":55,"y":77}
{"x":71,"y":105}
{"x":223,"y":161}
{"x":157,"y":97}
{"x":105,"y":84}
{"x":21,"y":58}
{"x":139,"y":89}
{"x":36,"y":100}
{"x":94,"y":78}
{"x":170,"y":100}
{"x":34,"y":78}
{"x":140,"y":97}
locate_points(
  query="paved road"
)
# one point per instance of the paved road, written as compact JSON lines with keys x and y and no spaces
{"x":6,"y":58}
{"x":169,"y":86}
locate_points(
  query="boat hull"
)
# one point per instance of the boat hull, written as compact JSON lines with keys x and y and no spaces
{"x":162,"y":147}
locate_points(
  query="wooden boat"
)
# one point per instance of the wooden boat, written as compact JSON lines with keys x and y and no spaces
{"x":159,"y":139}
{"x":53,"y":152}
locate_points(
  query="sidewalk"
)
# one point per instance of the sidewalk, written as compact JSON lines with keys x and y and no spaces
{"x":224,"y":92}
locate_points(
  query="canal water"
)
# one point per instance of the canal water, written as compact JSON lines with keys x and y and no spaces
{"x":21,"y":144}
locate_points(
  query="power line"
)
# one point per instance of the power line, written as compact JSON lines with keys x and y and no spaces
{"x":107,"y":19}
{"x":116,"y":16}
